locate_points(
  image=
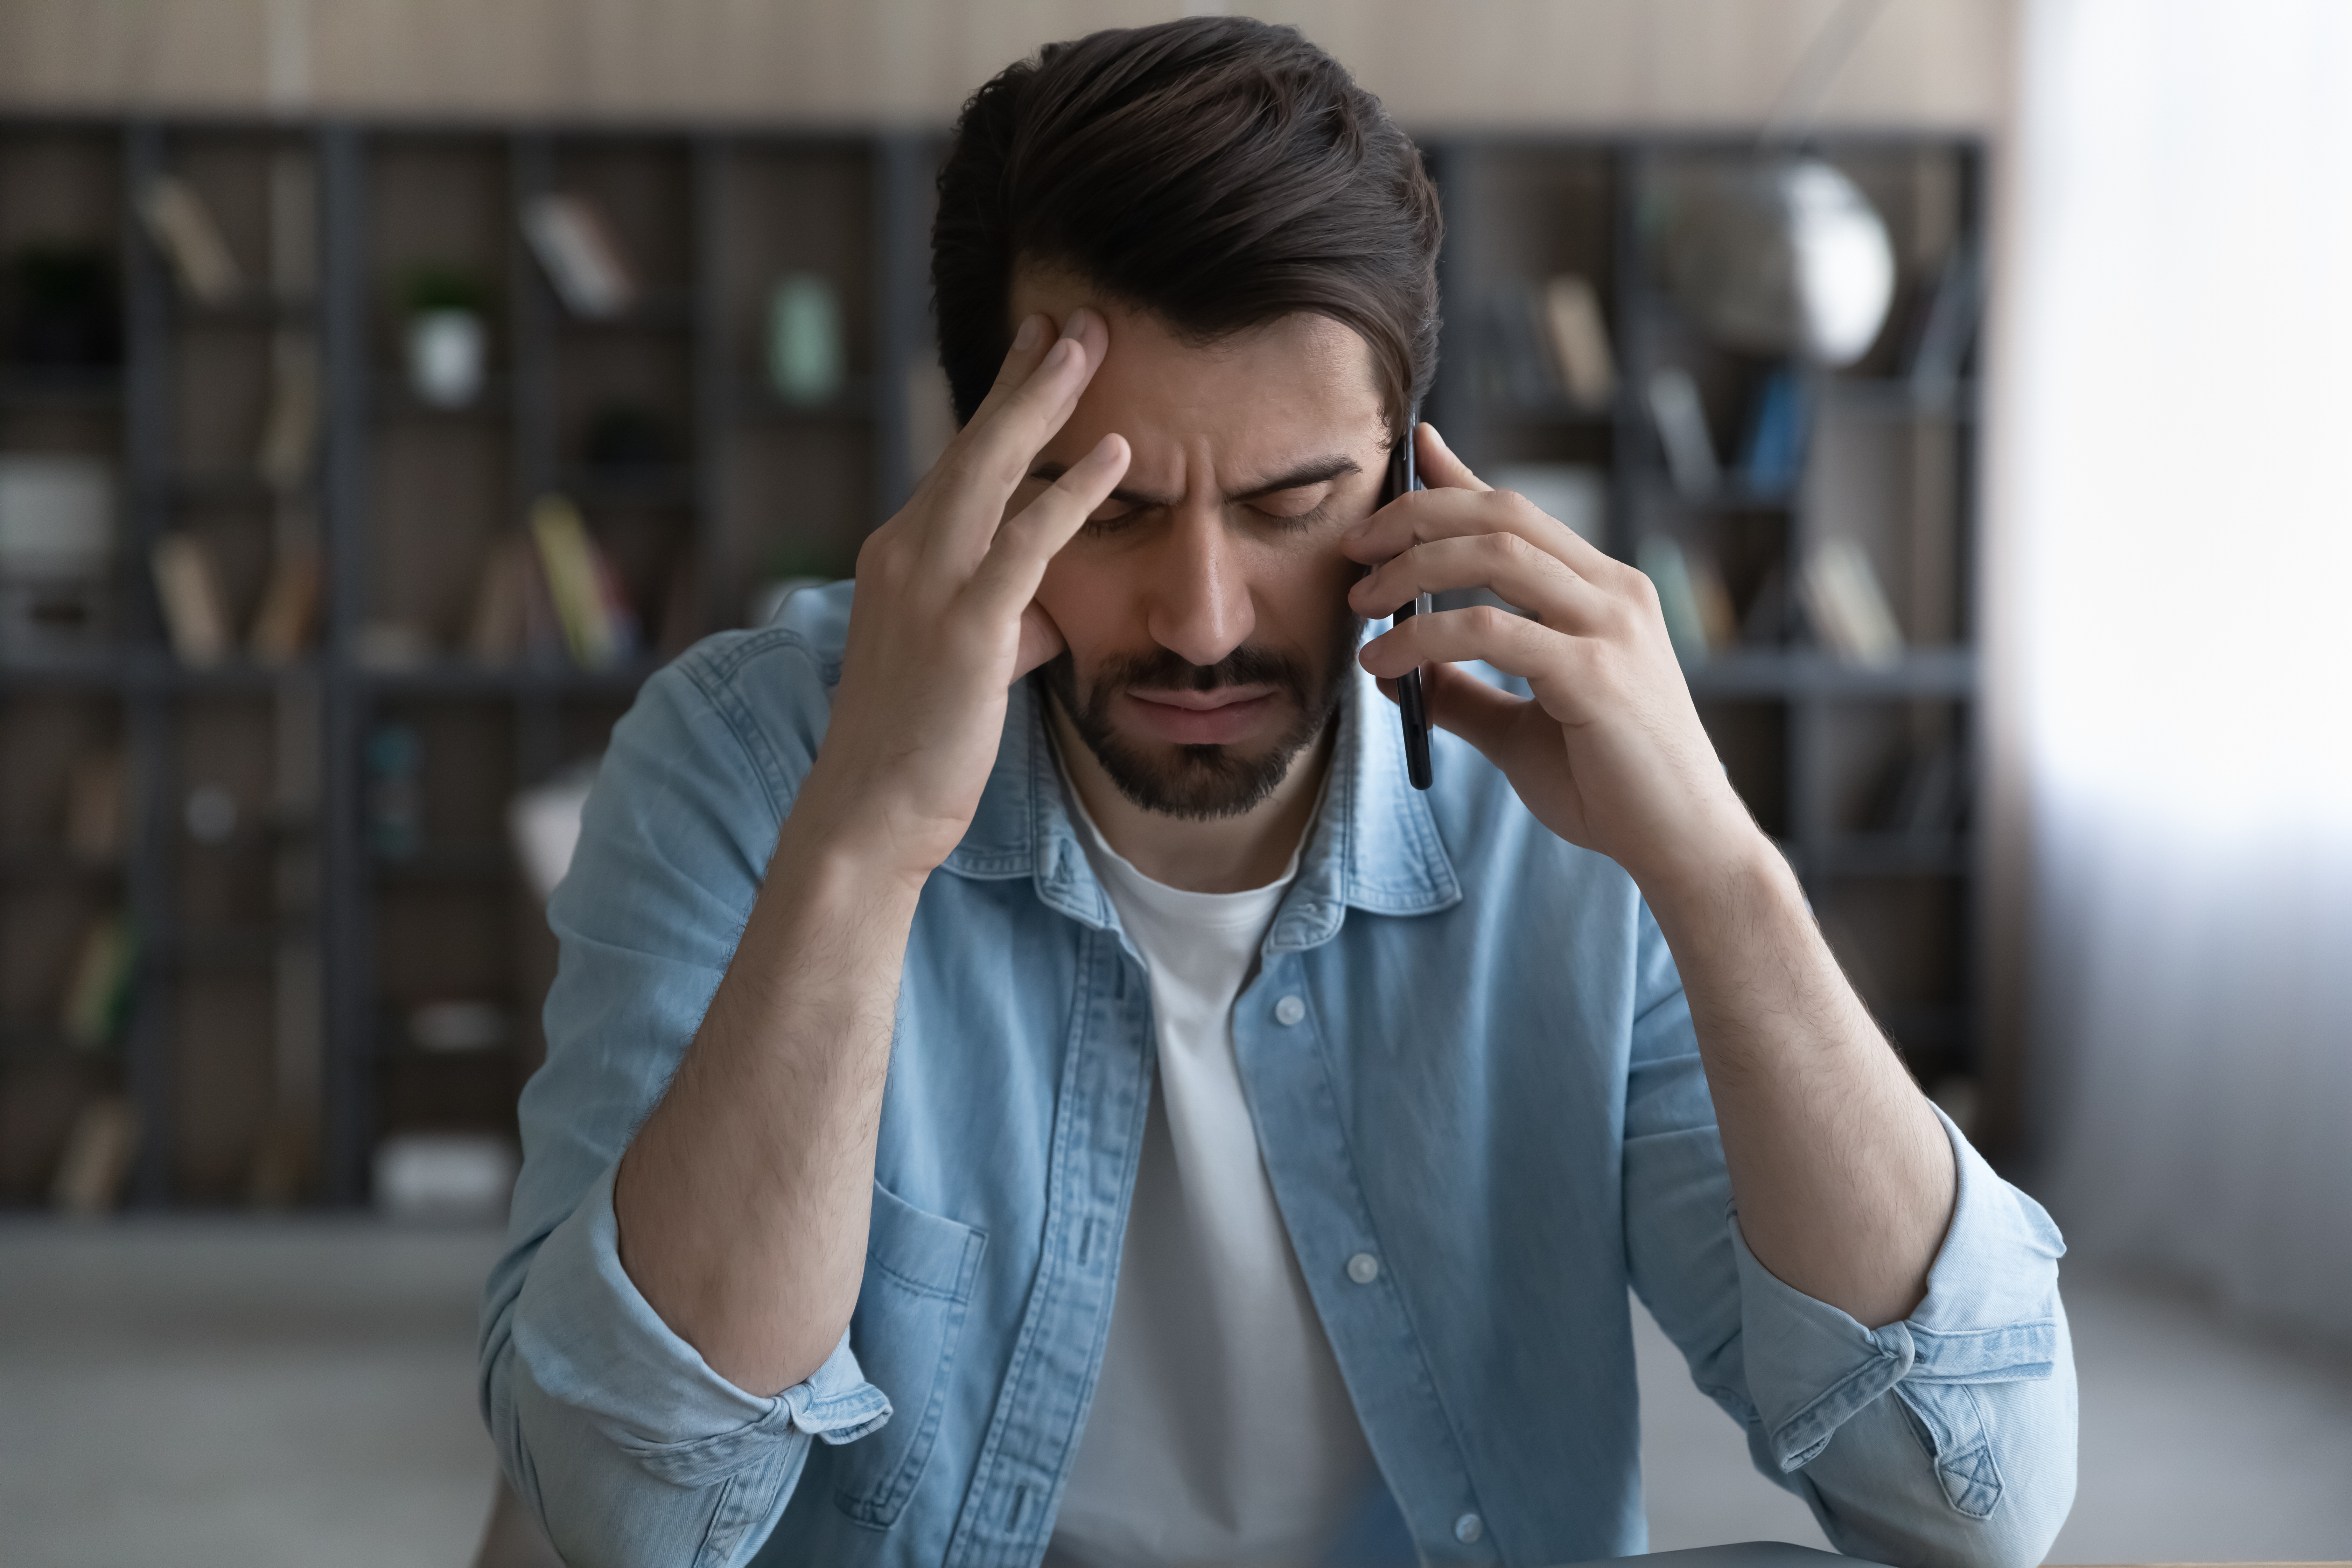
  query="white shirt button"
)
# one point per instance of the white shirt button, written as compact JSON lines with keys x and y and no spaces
{"x":1468,"y":1528}
{"x":1363,"y":1269}
{"x":1288,"y":1011}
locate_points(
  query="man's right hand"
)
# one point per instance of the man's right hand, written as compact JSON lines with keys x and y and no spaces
{"x":943,"y":621}
{"x":742,"y":1201}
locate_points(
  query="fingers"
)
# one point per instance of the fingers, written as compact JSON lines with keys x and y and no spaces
{"x":1025,"y":409}
{"x":1522,"y":573}
{"x":1440,"y":468}
{"x":1450,"y":513}
{"x":1008,"y":576}
{"x":1460,"y":703}
{"x":1546,"y":659}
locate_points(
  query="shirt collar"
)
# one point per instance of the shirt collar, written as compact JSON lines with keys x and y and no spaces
{"x":1374,"y":846}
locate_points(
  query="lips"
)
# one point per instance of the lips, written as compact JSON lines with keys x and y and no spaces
{"x":1221,"y":716}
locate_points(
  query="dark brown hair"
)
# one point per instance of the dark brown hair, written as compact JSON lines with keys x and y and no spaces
{"x":1218,"y":173}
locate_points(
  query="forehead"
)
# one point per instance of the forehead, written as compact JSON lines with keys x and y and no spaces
{"x":1255,"y":399}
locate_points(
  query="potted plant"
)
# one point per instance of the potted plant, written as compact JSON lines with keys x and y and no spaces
{"x":448,"y":347}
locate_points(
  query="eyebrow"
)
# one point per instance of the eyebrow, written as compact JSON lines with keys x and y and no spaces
{"x":1313,"y":471}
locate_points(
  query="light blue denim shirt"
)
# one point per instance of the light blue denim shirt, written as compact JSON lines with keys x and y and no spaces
{"x":1470,"y":1062}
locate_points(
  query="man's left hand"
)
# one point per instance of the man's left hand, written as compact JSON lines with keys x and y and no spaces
{"x":1610,"y":754}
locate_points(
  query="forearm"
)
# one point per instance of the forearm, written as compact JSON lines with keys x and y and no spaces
{"x":743,"y":1201}
{"x":1843,"y":1176}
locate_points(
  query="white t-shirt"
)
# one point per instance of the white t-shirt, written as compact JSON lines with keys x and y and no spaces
{"x":1220,"y":1432}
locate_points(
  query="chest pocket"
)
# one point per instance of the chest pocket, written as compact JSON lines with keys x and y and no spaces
{"x":919,"y":1271}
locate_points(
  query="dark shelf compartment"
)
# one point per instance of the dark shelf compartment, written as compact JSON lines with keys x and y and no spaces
{"x":97,"y":388}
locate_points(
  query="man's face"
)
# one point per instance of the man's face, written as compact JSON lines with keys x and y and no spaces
{"x":1204,"y":604}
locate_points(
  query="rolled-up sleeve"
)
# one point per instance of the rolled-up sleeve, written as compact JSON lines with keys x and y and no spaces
{"x":637,"y":1451}
{"x":1982,"y":1380}
{"x":1945,"y":1439}
{"x":630,"y":1448}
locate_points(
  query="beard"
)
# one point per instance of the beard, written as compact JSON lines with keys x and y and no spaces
{"x":1201,"y":783}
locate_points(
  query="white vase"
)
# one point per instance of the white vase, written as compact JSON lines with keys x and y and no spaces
{"x":447,"y":353}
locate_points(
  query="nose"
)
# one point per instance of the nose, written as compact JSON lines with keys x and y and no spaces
{"x":1201,"y":608}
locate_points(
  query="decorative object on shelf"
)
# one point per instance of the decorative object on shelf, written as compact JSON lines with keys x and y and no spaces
{"x":591,"y":272}
{"x":95,"y":801}
{"x":57,"y":550}
{"x":599,"y":630}
{"x":98,"y":1154}
{"x":627,"y":439}
{"x":1772,"y":458}
{"x":447,"y":339}
{"x":1775,"y":255}
{"x":1691,"y":596}
{"x":1847,"y":607}
{"x":391,"y":645}
{"x":288,"y":617}
{"x":1681,"y":421}
{"x":446,"y":1178}
{"x":458,"y":1026}
{"x":544,"y":824}
{"x":1571,"y":493}
{"x":1578,"y":335}
{"x":394,"y":761}
{"x":182,"y":229}
{"x":97,"y":1001}
{"x":65,"y":313}
{"x":187,"y":585}
{"x":805,"y":356}
{"x":513,"y":616}
{"x":210,"y":812}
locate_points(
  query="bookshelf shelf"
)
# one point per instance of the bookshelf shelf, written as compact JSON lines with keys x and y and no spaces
{"x":289,"y":940}
{"x":1922,"y":672}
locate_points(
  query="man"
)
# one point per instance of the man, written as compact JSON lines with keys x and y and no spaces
{"x":1030,"y":1080}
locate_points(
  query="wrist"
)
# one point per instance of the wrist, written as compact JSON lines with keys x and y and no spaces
{"x":848,"y":856}
{"x":1744,"y":875}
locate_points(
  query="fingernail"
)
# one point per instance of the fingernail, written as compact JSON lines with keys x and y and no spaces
{"x":1060,"y":353}
{"x":1076,"y":327}
{"x":1026,"y":338}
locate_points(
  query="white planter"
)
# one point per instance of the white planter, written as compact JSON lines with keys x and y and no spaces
{"x":447,"y":353}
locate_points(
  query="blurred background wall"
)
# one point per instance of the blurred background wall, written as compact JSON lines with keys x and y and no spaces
{"x":1557,"y":63}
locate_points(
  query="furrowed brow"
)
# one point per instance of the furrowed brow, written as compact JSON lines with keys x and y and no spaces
{"x":1315,"y":471}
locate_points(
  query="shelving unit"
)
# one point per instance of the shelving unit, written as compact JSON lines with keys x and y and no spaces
{"x":277,"y":966}
{"x":1813,"y":742}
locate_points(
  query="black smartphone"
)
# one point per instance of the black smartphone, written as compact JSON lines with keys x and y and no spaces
{"x":1413,"y":707}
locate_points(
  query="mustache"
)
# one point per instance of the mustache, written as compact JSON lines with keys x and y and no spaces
{"x":1162,"y":669}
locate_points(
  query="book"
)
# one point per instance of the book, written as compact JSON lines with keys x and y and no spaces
{"x":1662,"y":561}
{"x":1927,"y":794}
{"x":187,"y":584}
{"x":580,"y":584}
{"x":583,"y":260}
{"x":98,"y":1154}
{"x":1681,"y":421}
{"x":184,"y":230}
{"x":289,"y":431}
{"x":1691,"y":596}
{"x":288,"y":617}
{"x":98,"y":993}
{"x":1947,"y":326}
{"x":1772,"y":457}
{"x":1847,"y":607}
{"x":1578,"y":335}
{"x":95,"y":801}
